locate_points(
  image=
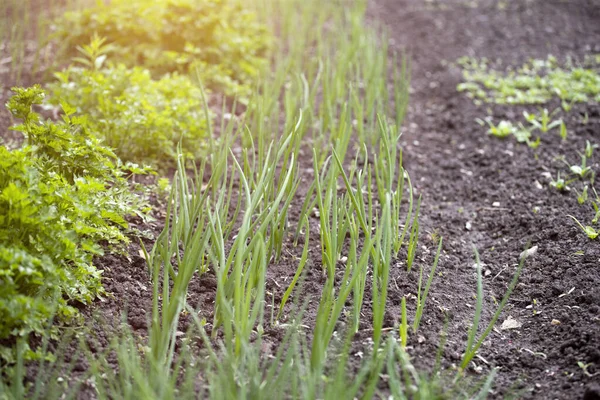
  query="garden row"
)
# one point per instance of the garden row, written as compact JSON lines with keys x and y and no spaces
{"x":542,"y":82}
{"x":68,"y":190}
{"x":283,"y":145}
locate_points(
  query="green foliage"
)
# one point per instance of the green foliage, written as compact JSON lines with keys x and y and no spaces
{"x":543,"y":121}
{"x":538,"y":82}
{"x":142,"y":119}
{"x":589,"y":149}
{"x":474,"y":342}
{"x":502,"y":130}
{"x":559,"y":183}
{"x":596,"y":207}
{"x":220,"y":39}
{"x":588,"y":230}
{"x":583,"y":196}
{"x":61,"y":195}
{"x":506,"y":129}
{"x":581,"y":170}
{"x":535,"y":82}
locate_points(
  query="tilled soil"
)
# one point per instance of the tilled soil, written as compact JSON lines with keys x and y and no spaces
{"x":469,"y":178}
{"x":466,"y":178}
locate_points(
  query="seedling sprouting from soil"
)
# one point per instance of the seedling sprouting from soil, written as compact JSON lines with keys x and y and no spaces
{"x":567,"y":105}
{"x":474,"y":344}
{"x":589,"y":148}
{"x":595,"y":204}
{"x":543,"y":121}
{"x":534,"y":305}
{"x":597,"y":210}
{"x":563,"y":131}
{"x":535,"y":144}
{"x":588,"y":230}
{"x":581,"y":170}
{"x":584,"y":367}
{"x":503,"y":130}
{"x":522,"y":134}
{"x":583,"y":196}
{"x":506,"y":128}
{"x":559,"y":183}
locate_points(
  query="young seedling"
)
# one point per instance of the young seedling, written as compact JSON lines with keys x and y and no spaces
{"x":596,"y":206}
{"x":474,"y":343}
{"x":563,"y":131}
{"x":404,"y":324}
{"x":583,"y":196}
{"x":302,"y":263}
{"x":502,"y":130}
{"x":522,"y":134}
{"x":94,"y":54}
{"x":567,"y":105}
{"x":581,"y":170}
{"x":597,"y":210}
{"x":422,"y":293}
{"x":588,"y":230}
{"x":535,"y":144}
{"x":589,"y":148}
{"x":584,"y":367}
{"x":559,"y":183}
{"x":543,"y":122}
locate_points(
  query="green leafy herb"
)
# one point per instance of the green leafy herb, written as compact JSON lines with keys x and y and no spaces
{"x":61,"y":195}
{"x":222,"y":40}
{"x":143,"y":119}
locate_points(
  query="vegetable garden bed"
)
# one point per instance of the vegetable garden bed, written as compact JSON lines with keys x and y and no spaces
{"x":303,"y":230}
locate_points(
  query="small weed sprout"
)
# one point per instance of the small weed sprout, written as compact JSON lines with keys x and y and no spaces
{"x":583,"y":196}
{"x":563,"y":131}
{"x":581,"y":170}
{"x":559,"y":183}
{"x":595,"y":205}
{"x":535,"y":144}
{"x":522,"y":134}
{"x":503,"y":130}
{"x":584,"y":367}
{"x":588,"y":230}
{"x":597,"y":210}
{"x":589,"y":148}
{"x":543,"y":121}
{"x":567,"y":105}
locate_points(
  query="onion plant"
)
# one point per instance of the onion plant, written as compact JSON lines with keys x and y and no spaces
{"x":327,"y":95}
{"x":474,"y":342}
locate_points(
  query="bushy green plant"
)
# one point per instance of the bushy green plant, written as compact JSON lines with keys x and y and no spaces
{"x":61,"y":195}
{"x":142,"y":119}
{"x":221,"y":39}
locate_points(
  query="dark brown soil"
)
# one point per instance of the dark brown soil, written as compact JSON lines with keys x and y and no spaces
{"x":462,"y":174}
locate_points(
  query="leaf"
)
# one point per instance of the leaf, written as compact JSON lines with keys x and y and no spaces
{"x":67,"y":108}
{"x":63,"y":196}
